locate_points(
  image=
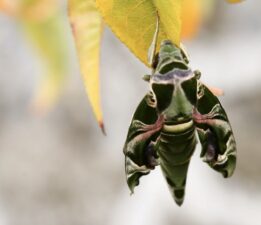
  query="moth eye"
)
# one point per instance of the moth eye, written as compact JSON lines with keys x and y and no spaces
{"x":190,"y":87}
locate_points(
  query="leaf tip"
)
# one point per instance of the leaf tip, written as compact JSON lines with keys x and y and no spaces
{"x":101,"y":125}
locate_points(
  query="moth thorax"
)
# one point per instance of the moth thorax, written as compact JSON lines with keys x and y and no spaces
{"x":180,"y":107}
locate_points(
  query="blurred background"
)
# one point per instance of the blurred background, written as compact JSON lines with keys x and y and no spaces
{"x":59,"y":169}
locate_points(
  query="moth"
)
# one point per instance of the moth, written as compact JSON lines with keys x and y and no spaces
{"x":166,"y":123}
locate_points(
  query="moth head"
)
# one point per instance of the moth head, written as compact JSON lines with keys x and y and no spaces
{"x":169,"y":57}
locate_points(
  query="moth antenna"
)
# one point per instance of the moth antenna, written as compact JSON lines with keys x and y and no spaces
{"x":153,"y":46}
{"x":146,"y":77}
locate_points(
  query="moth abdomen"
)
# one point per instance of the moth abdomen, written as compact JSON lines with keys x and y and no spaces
{"x":179,"y":196}
{"x":176,"y":177}
{"x":178,"y":193}
{"x":175,"y":151}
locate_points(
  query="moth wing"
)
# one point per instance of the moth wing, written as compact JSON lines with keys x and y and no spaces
{"x":215,"y":133}
{"x":142,"y":132}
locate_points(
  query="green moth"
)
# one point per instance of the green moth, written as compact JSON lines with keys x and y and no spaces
{"x":165,"y":125}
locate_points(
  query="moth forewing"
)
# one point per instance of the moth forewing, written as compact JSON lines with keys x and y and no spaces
{"x":143,"y":130}
{"x":215,"y":133}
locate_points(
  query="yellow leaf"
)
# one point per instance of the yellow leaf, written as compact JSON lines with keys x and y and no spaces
{"x":47,"y":36}
{"x":43,"y":24}
{"x":134,"y":22}
{"x":86,"y":25}
{"x":235,"y":1}
{"x":37,"y":10}
{"x":29,"y":9}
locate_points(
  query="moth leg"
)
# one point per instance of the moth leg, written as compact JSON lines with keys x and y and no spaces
{"x":151,"y":157}
{"x":208,"y":118}
{"x":209,"y":144}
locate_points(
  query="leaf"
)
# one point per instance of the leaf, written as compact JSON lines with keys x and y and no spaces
{"x":37,"y":10}
{"x":29,"y":9}
{"x":86,"y":25}
{"x":42,"y":23}
{"x":235,"y":1}
{"x":134,"y":22}
{"x":48,"y":38}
